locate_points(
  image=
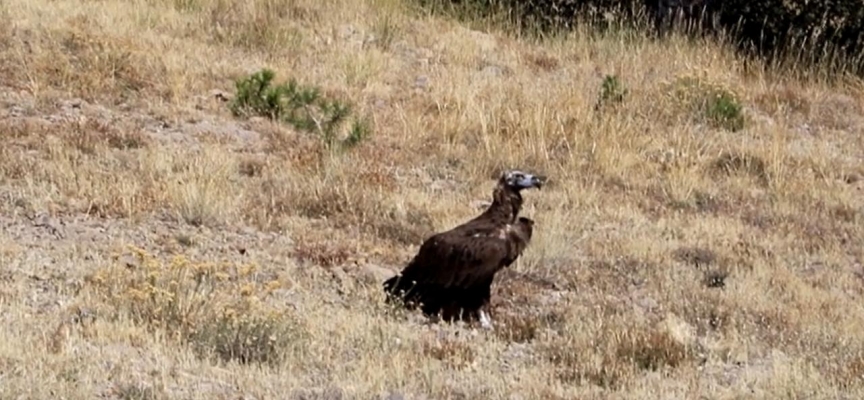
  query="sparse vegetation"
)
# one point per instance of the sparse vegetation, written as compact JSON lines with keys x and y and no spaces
{"x":741,"y":164}
{"x":724,"y":110}
{"x":612,"y":91}
{"x":304,"y":108}
{"x":822,"y":36}
{"x":700,"y":238}
{"x":217,"y":309}
{"x":711,"y":103}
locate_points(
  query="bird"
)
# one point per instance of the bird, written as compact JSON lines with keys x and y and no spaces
{"x":451,"y":275}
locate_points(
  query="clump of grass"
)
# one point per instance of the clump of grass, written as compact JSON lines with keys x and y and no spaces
{"x":303,"y":107}
{"x":82,"y":59}
{"x":258,"y":24}
{"x":454,"y":353}
{"x":386,"y":29}
{"x":710,"y":103}
{"x":716,"y":278}
{"x":612,"y":91}
{"x":90,"y":135}
{"x":323,"y":254}
{"x":731,"y":163}
{"x":476,"y":14}
{"x":334,"y":198}
{"x":201,"y":193}
{"x":217,"y":309}
{"x":651,"y":350}
{"x":134,"y":391}
{"x":615,"y":354}
{"x":724,"y":110}
{"x":243,"y":338}
{"x":251,"y":167}
{"x":520,"y":333}
{"x":696,"y":256}
{"x":519,"y":328}
{"x":572,"y":367}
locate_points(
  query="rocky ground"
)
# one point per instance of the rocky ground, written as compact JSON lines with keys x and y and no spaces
{"x":154,"y":245}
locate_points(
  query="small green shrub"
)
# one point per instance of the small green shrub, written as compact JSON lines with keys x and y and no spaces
{"x":303,"y":107}
{"x":611,"y":91}
{"x":725,"y":111}
{"x":710,"y":103}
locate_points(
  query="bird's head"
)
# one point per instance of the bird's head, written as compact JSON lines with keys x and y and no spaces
{"x":518,"y":180}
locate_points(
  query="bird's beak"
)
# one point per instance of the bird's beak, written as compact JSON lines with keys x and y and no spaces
{"x":538,"y":181}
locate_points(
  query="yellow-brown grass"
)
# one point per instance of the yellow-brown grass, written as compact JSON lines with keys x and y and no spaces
{"x":673,"y":256}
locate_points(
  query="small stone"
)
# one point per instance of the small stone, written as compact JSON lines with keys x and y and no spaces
{"x":678,"y":329}
{"x":493,"y":71}
{"x":373,"y":274}
{"x":130,"y":261}
{"x":219,"y":95}
{"x":421,"y":82}
{"x":16,"y":111}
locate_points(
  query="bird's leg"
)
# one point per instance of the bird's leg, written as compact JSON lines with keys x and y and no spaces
{"x":485,"y":321}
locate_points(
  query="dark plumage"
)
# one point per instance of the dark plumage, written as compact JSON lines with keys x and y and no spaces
{"x":452,"y":272}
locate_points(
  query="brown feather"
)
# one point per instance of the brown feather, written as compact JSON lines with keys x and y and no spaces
{"x":452,"y":272}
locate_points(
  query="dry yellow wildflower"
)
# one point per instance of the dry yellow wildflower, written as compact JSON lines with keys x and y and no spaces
{"x":99,"y":277}
{"x":141,"y":253}
{"x":179,"y":262}
{"x":273,"y":285}
{"x":253,"y":302}
{"x":166,"y":294}
{"x":152,"y":264}
{"x":247,"y":270}
{"x":136,"y":294}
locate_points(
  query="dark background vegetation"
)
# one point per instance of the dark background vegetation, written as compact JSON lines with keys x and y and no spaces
{"x":826,"y":35}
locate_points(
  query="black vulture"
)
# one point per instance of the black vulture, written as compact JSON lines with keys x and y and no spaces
{"x":451,"y":275}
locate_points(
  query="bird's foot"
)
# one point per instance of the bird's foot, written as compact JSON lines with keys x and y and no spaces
{"x":485,"y":321}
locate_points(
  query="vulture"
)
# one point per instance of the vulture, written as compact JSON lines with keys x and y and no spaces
{"x":451,"y":274}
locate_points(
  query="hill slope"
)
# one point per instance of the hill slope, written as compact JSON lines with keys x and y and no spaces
{"x":700,"y":237}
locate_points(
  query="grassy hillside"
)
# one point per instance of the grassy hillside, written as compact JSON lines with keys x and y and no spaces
{"x":700,"y":236}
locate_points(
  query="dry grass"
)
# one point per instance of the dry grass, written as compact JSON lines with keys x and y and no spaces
{"x":678,"y":253}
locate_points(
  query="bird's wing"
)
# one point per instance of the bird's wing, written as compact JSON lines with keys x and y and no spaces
{"x":519,"y":237}
{"x":461,"y":257}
